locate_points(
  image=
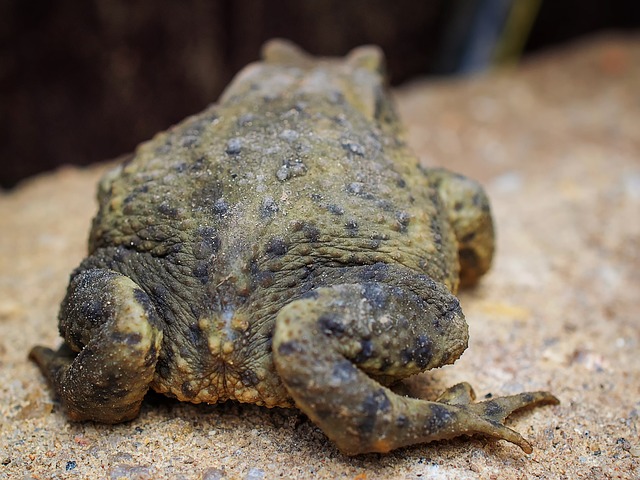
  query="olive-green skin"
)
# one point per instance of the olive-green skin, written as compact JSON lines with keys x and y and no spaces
{"x":283,"y":248}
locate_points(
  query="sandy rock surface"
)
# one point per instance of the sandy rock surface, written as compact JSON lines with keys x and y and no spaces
{"x":557,"y":144}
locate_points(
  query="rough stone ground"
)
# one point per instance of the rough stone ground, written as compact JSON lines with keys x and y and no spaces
{"x":557,"y":143}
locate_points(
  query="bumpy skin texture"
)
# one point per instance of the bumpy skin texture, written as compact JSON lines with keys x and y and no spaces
{"x":283,"y":247}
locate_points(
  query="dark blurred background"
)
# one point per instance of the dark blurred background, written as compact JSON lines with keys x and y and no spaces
{"x":84,"y":81}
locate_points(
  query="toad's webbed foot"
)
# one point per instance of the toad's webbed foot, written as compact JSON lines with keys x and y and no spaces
{"x":488,"y":416}
{"x":112,"y":342}
{"x":337,"y":348}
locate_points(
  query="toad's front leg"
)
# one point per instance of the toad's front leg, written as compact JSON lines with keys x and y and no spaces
{"x":336,"y":348}
{"x":112,"y":342}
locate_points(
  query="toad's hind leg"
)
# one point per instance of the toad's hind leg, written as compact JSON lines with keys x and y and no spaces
{"x":110,"y":321}
{"x":337,"y":348}
{"x":468,"y":209}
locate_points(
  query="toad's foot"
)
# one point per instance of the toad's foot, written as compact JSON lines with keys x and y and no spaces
{"x":112,"y":341}
{"x":495,"y":411}
{"x":338,"y":347}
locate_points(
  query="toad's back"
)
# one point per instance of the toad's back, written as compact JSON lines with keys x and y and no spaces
{"x":300,"y":151}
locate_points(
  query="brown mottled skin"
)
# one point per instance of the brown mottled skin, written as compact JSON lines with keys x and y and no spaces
{"x":283,"y":248}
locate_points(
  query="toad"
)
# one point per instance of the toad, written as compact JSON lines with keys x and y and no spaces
{"x":284,"y":248}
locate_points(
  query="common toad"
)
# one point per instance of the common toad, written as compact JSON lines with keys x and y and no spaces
{"x":285,"y":248}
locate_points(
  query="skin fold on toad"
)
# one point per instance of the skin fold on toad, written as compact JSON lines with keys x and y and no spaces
{"x":284,"y":248}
